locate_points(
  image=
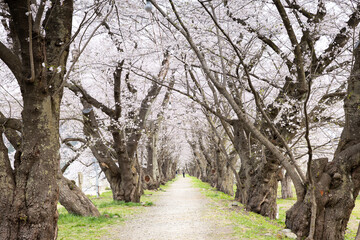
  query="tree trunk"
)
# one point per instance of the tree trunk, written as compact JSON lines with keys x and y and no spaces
{"x":259,"y":176}
{"x":225,"y":179}
{"x":286,"y":190}
{"x":211,"y":174}
{"x":161,"y":163}
{"x":240,"y":194}
{"x":259,"y":190}
{"x":166,"y":165}
{"x":335,"y":195}
{"x":211,"y":171}
{"x":31,"y":194}
{"x":262,"y":193}
{"x":74,"y":200}
{"x":36,"y":196}
{"x":7,"y":187}
{"x":151,"y":177}
{"x":124,"y":178}
{"x":173,"y":169}
{"x":34,"y":206}
{"x":31,"y":191}
{"x":130,"y":186}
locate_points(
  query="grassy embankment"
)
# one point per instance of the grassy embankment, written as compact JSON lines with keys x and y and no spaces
{"x":249,"y":225}
{"x":72,"y":227}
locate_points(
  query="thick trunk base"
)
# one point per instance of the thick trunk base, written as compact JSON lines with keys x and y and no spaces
{"x":130,"y":188}
{"x":335,"y":195}
{"x":259,"y":193}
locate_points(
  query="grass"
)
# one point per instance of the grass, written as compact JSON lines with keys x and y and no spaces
{"x":208,"y":191}
{"x":73,"y":227}
{"x":248,"y":225}
{"x":112,"y":213}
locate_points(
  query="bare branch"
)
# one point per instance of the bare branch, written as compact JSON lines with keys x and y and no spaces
{"x":78,"y":154}
{"x":66,"y":140}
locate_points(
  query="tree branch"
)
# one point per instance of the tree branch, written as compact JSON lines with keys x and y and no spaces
{"x":78,"y":154}
{"x":11,"y":123}
{"x":78,"y":89}
{"x":117,"y":90}
{"x":11,"y":60}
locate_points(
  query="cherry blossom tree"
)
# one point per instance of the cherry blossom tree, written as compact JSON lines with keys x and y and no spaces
{"x":37,"y":40}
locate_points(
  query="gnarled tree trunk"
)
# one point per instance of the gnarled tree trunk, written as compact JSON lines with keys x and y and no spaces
{"x":259,"y":177}
{"x":130,"y":186}
{"x":211,"y":171}
{"x":259,"y":188}
{"x":124,"y":178}
{"x":335,"y":192}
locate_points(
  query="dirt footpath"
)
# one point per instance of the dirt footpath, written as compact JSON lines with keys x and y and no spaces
{"x":181,"y":212}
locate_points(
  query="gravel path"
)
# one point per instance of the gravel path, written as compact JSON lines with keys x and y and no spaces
{"x":180,"y":213}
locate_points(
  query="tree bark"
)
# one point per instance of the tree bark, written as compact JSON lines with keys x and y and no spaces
{"x":7,"y":187}
{"x":124,"y":178}
{"x":335,"y":194}
{"x":129,"y":168}
{"x":164,"y":169}
{"x":74,"y":200}
{"x":211,"y":171}
{"x":167,"y":166}
{"x":36,"y":195}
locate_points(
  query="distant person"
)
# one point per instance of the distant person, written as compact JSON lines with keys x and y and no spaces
{"x":183,"y":173}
